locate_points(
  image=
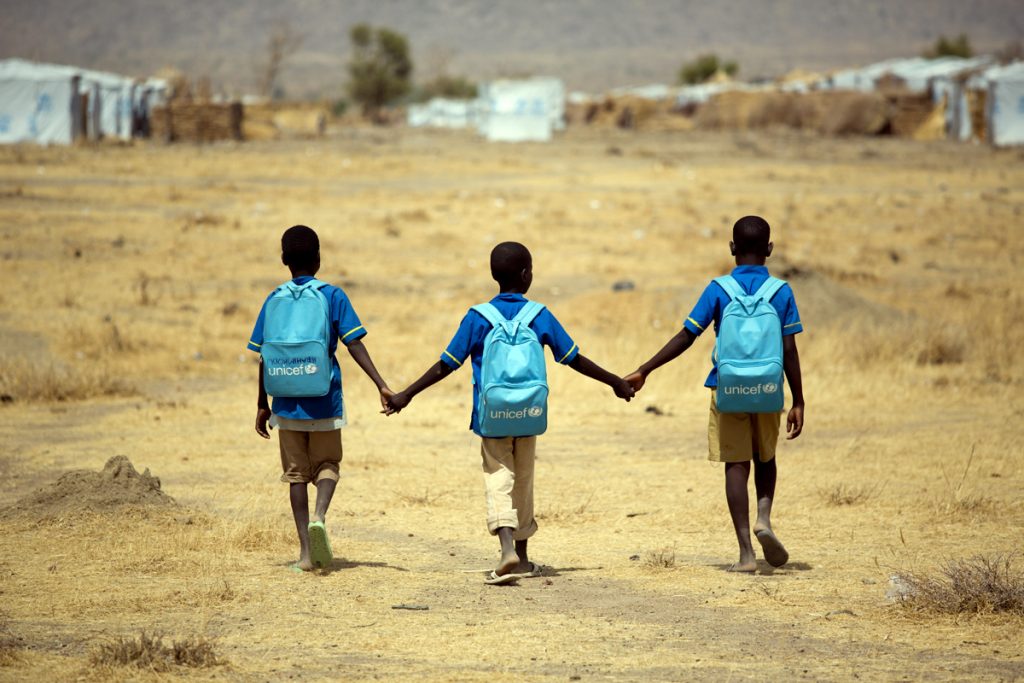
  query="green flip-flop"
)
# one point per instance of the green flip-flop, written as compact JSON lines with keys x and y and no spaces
{"x":319,"y":546}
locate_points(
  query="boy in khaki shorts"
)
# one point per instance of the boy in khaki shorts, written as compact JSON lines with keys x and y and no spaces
{"x":309,"y":428}
{"x":508,"y":462}
{"x":737,"y":438}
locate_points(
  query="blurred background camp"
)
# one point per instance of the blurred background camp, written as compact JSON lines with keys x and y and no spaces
{"x":153,"y":154}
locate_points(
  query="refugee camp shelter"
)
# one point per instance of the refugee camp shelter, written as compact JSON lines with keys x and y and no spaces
{"x":1005,"y":105}
{"x":521,"y":110}
{"x":441,"y":112}
{"x":39,"y":103}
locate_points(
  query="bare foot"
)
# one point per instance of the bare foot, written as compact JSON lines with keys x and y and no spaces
{"x":774,"y":552}
{"x":507,"y":564}
{"x":305,"y":564}
{"x":523,"y":567}
{"x":748,"y":567}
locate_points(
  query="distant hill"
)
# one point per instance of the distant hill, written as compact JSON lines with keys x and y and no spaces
{"x":592,"y":44}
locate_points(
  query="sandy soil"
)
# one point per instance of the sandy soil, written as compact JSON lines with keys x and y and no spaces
{"x":129,"y":281}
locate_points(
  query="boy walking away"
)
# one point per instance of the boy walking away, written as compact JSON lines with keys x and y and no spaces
{"x":756,"y":320}
{"x":503,"y":339}
{"x":296,"y":335}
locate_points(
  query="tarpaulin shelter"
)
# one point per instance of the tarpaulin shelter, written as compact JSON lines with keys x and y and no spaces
{"x":39,"y":103}
{"x":1005,"y":105}
{"x":520,"y":111}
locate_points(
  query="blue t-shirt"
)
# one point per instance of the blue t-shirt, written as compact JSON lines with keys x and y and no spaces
{"x":714,"y":299}
{"x":345,"y":326}
{"x":468,"y":341}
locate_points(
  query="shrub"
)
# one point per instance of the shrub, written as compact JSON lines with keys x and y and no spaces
{"x":704,"y":67}
{"x":979,"y":585}
{"x":380,"y":68}
{"x":150,"y":652}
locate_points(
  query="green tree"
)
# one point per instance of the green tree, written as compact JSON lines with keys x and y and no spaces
{"x":704,"y":67}
{"x":951,"y":47}
{"x":380,"y":69}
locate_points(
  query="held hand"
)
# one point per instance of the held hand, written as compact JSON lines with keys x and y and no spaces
{"x":262,"y":417}
{"x":623,"y":389}
{"x":396,"y":402}
{"x":795,"y":422}
{"x":636,"y":380}
{"x":385,"y":397}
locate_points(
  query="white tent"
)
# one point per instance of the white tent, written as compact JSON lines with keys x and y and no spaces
{"x":443,"y":113}
{"x":39,"y":103}
{"x":519,"y":111}
{"x":1005,"y":105}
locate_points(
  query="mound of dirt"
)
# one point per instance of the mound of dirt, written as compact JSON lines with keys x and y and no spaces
{"x":117,"y":485}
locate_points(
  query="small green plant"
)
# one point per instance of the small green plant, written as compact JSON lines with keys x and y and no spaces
{"x":959,"y":46}
{"x":704,"y":67}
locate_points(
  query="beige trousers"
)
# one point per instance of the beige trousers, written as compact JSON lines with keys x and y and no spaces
{"x":508,"y":482}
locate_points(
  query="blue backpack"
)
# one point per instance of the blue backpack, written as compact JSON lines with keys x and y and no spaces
{"x":748,"y":348}
{"x":296,"y":339}
{"x":513,"y":376}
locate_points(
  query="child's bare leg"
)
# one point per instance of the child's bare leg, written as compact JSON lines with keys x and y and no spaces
{"x":764,"y":482}
{"x":765,"y":474}
{"x":300,"y":511}
{"x":736,"y":475}
{"x":524,"y":559}
{"x":324,"y":492}
{"x":509,"y":559}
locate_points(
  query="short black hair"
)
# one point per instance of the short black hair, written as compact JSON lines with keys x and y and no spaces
{"x":300,"y":247}
{"x":751,"y":235}
{"x":508,"y":260}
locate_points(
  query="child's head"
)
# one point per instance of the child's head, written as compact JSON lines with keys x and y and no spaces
{"x":512,"y":267}
{"x":751,"y":239}
{"x":300,"y":250}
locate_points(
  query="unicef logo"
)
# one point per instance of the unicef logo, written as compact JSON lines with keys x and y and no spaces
{"x":310,"y":368}
{"x":770,"y":388}
{"x":535,"y":411}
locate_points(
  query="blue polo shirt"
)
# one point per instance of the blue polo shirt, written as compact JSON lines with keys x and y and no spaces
{"x":468,"y":341}
{"x":345,"y":326}
{"x":714,"y":299}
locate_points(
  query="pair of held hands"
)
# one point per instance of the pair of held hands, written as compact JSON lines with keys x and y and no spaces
{"x":624,"y":388}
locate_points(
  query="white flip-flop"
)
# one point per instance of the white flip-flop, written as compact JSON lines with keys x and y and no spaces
{"x":494,"y":580}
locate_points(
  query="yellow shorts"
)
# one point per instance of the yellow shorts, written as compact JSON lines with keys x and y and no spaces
{"x":309,"y":456}
{"x":736,"y":437}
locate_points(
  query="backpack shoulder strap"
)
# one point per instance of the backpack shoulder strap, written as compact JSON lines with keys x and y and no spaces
{"x":528,"y":313}
{"x":490,"y":314}
{"x":770,"y":288}
{"x":731,"y":287}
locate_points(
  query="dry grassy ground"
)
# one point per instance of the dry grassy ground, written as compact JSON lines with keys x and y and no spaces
{"x":129,"y":281}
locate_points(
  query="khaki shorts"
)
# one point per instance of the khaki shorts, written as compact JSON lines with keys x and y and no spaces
{"x":736,"y":437}
{"x":309,"y":456}
{"x":508,"y":484}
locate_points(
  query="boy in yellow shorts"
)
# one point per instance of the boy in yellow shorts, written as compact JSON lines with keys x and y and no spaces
{"x":737,"y":438}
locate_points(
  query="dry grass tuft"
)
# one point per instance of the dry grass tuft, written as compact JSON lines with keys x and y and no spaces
{"x":261,"y":535}
{"x":151,"y":652}
{"x":560,"y":515}
{"x":961,"y":503}
{"x":663,"y":558}
{"x":426,"y":499}
{"x":24,"y":380}
{"x":979,"y":585}
{"x":842,"y":494}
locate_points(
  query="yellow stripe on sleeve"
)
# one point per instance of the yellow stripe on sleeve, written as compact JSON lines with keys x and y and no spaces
{"x":252,"y":343}
{"x":699,"y":326}
{"x":354,"y":329}
{"x":792,"y":324}
{"x":453,"y":358}
{"x":567,"y":353}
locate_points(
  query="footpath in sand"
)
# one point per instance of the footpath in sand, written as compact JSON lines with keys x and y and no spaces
{"x":901,"y":257}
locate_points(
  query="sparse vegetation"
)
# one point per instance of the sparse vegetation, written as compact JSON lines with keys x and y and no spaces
{"x":380,"y":68}
{"x":22,"y":379}
{"x":451,"y":87}
{"x":704,"y":67}
{"x":566,"y":514}
{"x":983,"y":584}
{"x":960,"y":46}
{"x":663,"y":558}
{"x":844,"y":494}
{"x":426,"y":499}
{"x":151,"y":652}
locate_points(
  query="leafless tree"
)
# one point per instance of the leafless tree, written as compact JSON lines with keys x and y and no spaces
{"x":282,"y":42}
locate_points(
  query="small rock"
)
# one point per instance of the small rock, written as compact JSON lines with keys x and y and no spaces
{"x":654,"y":410}
{"x":624,"y":286}
{"x":634,"y":558}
